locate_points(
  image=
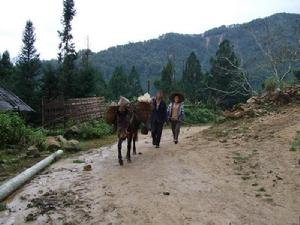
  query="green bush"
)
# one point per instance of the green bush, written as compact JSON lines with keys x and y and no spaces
{"x":13,"y":131}
{"x":95,"y":129}
{"x":199,"y":114}
{"x":271,"y":84}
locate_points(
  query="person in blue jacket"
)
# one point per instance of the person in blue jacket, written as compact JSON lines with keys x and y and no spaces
{"x":158,"y":118}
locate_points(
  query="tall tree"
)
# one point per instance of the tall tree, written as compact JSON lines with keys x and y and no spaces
{"x":101,"y":86}
{"x":167,"y":82}
{"x":118,"y":83}
{"x":191,"y":78}
{"x":50,"y":88}
{"x":86,"y":86}
{"x":228,"y":84}
{"x":297,"y":75}
{"x":6,"y":70}
{"x":28,"y":68}
{"x":67,"y":52}
{"x":134,"y":83}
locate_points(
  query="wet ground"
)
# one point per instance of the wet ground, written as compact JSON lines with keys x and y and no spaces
{"x":199,"y":181}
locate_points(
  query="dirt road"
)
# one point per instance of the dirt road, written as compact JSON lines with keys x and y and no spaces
{"x":241,"y":174}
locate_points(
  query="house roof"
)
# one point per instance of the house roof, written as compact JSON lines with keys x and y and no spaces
{"x":9,"y":101}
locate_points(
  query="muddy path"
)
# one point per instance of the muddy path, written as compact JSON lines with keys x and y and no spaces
{"x":247,"y":178}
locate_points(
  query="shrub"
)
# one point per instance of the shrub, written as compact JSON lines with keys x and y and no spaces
{"x":13,"y":131}
{"x":198,"y":114}
{"x":95,"y":129}
{"x":270,"y":84}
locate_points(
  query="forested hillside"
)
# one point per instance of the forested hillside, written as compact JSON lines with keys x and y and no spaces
{"x":276,"y":34}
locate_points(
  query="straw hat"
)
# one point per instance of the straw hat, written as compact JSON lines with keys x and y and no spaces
{"x":173,"y":95}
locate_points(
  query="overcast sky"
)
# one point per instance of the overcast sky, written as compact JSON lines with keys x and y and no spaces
{"x":112,"y":22}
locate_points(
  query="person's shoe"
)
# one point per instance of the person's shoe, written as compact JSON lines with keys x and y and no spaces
{"x":176,"y":142}
{"x":157,"y":146}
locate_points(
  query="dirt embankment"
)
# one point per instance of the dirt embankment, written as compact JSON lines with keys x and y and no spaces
{"x":239,"y":172}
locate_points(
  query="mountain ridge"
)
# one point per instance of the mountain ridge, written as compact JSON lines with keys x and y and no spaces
{"x":149,"y":56}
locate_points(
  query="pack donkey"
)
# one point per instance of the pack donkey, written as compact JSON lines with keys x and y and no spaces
{"x":128,"y":120}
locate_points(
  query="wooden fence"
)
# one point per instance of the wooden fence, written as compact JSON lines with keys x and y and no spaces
{"x":59,"y":111}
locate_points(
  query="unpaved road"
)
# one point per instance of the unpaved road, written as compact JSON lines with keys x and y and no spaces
{"x":243,"y":175}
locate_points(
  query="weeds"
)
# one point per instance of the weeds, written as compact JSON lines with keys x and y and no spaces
{"x":3,"y":207}
{"x":295,"y":145}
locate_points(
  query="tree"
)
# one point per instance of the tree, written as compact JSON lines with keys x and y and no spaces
{"x":281,"y":55}
{"x":86,"y":86}
{"x":101,"y":88}
{"x":118,"y":83}
{"x":297,"y":75}
{"x":167,"y":82}
{"x":6,"y":70}
{"x":134,"y":84}
{"x":191,"y":78}
{"x":50,"y":88}
{"x":28,"y":68}
{"x":67,"y":54}
{"x":228,"y":84}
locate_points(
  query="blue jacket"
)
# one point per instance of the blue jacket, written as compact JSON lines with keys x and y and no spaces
{"x":180,"y":113}
{"x":159,"y":114}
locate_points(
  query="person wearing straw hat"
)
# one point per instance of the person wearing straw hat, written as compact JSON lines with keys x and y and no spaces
{"x":176,"y":114}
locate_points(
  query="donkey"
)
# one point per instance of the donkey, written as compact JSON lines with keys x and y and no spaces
{"x":128,"y":121}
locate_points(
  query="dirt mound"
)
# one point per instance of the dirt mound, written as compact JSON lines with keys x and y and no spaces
{"x":259,"y":105}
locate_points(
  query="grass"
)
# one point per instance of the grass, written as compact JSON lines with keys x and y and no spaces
{"x":295,"y":145}
{"x":3,"y":207}
{"x":97,"y":143}
{"x":78,"y":161}
{"x":12,"y":164}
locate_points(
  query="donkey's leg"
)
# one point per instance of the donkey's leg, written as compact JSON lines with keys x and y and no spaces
{"x":129,"y":139}
{"x":120,"y":152}
{"x":134,"y":140}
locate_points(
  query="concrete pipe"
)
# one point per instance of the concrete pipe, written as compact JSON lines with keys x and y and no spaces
{"x":13,"y":184}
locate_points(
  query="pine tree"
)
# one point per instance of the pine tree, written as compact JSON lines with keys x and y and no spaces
{"x":67,"y":53}
{"x":86,"y":86}
{"x":297,"y":75}
{"x":134,"y":84}
{"x":227,"y":81}
{"x":6,"y":70}
{"x":101,"y":88}
{"x":167,"y":82}
{"x":118,"y":83}
{"x":28,"y":68}
{"x":50,"y":88}
{"x":191,"y":78}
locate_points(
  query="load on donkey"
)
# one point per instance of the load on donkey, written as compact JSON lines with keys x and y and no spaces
{"x":127,"y":118}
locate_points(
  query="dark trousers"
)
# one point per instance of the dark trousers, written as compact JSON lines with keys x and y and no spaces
{"x":175,"y":129}
{"x":156,"y":131}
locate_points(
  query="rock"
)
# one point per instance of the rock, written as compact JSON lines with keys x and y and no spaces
{"x":33,"y":151}
{"x":72,"y":146}
{"x":61,"y":139}
{"x":87,"y":168}
{"x":72,"y":132}
{"x":52,"y":144}
{"x":223,"y":140}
